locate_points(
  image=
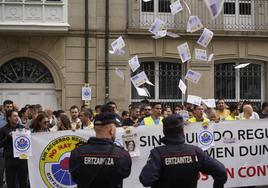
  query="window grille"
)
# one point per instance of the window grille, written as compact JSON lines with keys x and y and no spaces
{"x":166,"y":77}
{"x":235,"y":85}
{"x":24,"y":70}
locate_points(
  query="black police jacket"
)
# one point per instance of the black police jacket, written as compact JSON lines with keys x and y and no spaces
{"x":99,"y":163}
{"x":6,"y":140}
{"x":177,"y":164}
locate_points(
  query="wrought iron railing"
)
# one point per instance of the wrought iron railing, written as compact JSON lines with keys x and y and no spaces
{"x":236,"y":15}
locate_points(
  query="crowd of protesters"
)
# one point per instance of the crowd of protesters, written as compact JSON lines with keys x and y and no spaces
{"x":37,"y":119}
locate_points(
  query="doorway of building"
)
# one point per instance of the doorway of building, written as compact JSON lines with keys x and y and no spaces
{"x":27,"y":81}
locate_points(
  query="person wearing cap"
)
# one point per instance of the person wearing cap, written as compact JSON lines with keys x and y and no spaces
{"x":99,"y":162}
{"x":177,"y":164}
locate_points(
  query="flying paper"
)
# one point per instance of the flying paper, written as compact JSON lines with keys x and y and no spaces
{"x":160,"y":34}
{"x":182,"y":87}
{"x":210,"y":103}
{"x":241,"y":66}
{"x":192,"y":99}
{"x":143,"y":92}
{"x":210,"y":57}
{"x":118,"y":44}
{"x":200,"y":54}
{"x":157,"y":26}
{"x":173,"y":35}
{"x":193,"y":76}
{"x":120,"y":73}
{"x":194,"y":24}
{"x":184,"y":52}
{"x":214,"y":7}
{"x":134,"y":63}
{"x":205,"y":38}
{"x":175,"y":7}
{"x":140,"y":79}
{"x":117,"y":52}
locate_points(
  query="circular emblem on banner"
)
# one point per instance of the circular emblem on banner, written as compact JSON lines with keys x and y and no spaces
{"x":54,"y":161}
{"x":205,"y":125}
{"x":205,"y":138}
{"x":22,"y":143}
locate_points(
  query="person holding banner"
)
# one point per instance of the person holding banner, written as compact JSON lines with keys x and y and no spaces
{"x":101,"y":163}
{"x":177,"y":164}
{"x":15,"y":167}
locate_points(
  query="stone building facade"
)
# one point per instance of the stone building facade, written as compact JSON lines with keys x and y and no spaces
{"x":54,"y":41}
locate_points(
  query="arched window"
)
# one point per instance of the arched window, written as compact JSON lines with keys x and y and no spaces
{"x":166,"y":77}
{"x":24,"y":70}
{"x":239,"y":84}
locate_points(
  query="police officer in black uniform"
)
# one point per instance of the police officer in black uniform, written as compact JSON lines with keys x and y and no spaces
{"x":177,"y":164}
{"x":100,"y":163}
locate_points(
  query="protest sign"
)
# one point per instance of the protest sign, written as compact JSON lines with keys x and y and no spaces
{"x":86,"y":93}
{"x":22,"y":143}
{"x":130,"y":142}
{"x":240,"y":145}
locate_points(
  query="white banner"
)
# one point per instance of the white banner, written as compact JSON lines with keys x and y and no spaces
{"x":22,"y":147}
{"x":241,"y":145}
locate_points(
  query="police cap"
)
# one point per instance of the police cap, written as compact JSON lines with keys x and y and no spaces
{"x":106,"y":118}
{"x":173,"y":121}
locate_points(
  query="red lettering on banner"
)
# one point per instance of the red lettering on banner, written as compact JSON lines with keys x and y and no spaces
{"x":63,"y":146}
{"x":261,"y":170}
{"x":251,"y":171}
{"x":53,"y":152}
{"x":230,"y":172}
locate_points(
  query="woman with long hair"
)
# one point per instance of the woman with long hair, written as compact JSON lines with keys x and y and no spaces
{"x":40,"y":123}
{"x":64,"y":123}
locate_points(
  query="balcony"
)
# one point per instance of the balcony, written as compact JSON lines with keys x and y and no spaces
{"x":237,"y":16}
{"x":33,"y":15}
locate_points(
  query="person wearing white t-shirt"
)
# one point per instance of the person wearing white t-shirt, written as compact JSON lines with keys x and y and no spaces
{"x":248,"y":113}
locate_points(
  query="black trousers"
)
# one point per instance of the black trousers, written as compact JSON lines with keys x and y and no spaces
{"x":2,"y":169}
{"x":16,"y":168}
